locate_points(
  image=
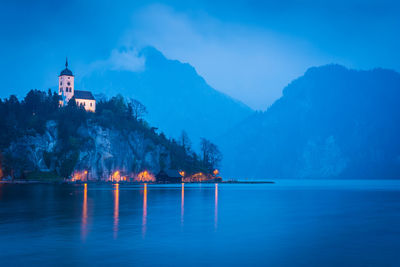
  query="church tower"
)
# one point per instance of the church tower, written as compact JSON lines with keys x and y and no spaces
{"x":66,"y":84}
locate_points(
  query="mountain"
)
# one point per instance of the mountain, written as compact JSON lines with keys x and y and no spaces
{"x":176,"y":97}
{"x":330,"y":123}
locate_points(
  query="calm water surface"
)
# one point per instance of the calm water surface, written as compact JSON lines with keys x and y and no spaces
{"x":306,"y":223}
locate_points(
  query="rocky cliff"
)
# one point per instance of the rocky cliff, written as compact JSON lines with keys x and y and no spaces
{"x":103,"y":152}
{"x":69,"y":142}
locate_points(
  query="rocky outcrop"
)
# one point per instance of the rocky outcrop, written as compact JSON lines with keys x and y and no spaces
{"x":103,"y":151}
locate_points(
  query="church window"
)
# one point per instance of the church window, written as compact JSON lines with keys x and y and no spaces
{"x":69,"y":83}
{"x":60,"y":83}
{"x":90,"y":103}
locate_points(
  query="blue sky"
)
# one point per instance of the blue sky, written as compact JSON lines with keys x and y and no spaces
{"x":247,"y":49}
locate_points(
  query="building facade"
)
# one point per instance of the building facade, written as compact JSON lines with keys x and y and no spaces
{"x":66,"y":91}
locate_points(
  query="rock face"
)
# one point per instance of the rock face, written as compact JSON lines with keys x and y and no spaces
{"x":103,"y":152}
{"x":28,"y":152}
{"x":107,"y":151}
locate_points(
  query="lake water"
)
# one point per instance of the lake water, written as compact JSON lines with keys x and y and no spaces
{"x":291,"y":223}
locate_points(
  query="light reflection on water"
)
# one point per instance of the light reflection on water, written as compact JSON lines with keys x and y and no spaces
{"x":182,"y":202}
{"x":84,"y":214}
{"x":144,"y":220}
{"x":210,"y":224}
{"x":116,"y":209}
{"x":216,"y":207}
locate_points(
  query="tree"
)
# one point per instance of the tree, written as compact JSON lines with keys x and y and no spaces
{"x":185,"y":141}
{"x":67,"y":164}
{"x":211,"y":154}
{"x":137,"y":108}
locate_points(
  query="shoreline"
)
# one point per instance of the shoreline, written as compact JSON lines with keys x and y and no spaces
{"x":132,"y":183}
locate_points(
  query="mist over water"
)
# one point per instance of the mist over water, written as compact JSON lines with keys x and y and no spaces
{"x":288,"y":223}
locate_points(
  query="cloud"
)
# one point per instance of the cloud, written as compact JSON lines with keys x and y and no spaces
{"x":124,"y":59}
{"x":249,"y":63}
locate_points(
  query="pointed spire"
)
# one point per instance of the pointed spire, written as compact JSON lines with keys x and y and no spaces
{"x":66,"y":62}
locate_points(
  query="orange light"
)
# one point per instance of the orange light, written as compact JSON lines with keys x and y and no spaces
{"x":84,"y":213}
{"x":215,"y":172}
{"x":182,"y":173}
{"x":116,"y":176}
{"x":79,"y":176}
{"x":145,"y":176}
{"x":116,"y":210}
{"x":182,"y":202}
{"x":144,"y":222}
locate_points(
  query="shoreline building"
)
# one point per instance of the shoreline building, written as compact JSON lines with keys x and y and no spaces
{"x":66,"y":91}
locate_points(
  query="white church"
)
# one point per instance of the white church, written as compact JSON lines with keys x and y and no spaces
{"x":67,"y":91}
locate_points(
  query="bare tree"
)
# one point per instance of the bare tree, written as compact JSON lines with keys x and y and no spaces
{"x":137,"y":108}
{"x":211,"y":154}
{"x":185,"y":141}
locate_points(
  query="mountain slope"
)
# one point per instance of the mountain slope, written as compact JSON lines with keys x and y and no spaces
{"x":176,"y":97}
{"x":330,"y":123}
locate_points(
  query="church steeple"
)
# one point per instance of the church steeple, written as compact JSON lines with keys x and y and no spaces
{"x":66,"y":84}
{"x":66,"y":71}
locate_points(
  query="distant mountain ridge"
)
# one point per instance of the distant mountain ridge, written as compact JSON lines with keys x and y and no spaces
{"x":330,"y":123}
{"x":176,"y":97}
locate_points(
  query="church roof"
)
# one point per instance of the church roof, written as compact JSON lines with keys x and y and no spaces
{"x":66,"y":71}
{"x":83,"y":95}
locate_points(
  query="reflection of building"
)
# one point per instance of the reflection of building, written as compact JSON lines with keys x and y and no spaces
{"x":169,"y":176}
{"x":67,"y":91}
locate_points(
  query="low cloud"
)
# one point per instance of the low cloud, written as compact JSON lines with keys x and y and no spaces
{"x":126,"y":59}
{"x":248,"y":63}
{"x":122,"y":59}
